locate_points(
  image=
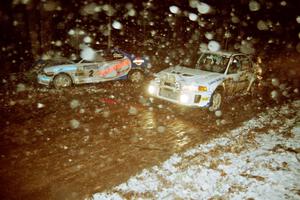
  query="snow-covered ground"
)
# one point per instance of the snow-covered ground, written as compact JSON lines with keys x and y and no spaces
{"x":258,"y":160}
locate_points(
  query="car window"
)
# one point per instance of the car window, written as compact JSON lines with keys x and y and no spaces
{"x":99,"y":57}
{"x":239,"y":63}
{"x":235,"y":65}
{"x":212,"y":62}
{"x":108,"y":56}
{"x":246,"y":63}
{"x":59,"y":62}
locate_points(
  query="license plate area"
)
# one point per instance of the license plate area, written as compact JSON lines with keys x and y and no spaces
{"x":169,"y":93}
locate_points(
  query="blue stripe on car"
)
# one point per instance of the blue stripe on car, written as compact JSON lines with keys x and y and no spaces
{"x":65,"y":68}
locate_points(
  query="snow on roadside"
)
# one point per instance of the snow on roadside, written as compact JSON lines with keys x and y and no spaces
{"x":259,"y":160}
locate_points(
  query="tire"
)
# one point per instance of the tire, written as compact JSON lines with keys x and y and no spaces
{"x":216,"y":100}
{"x":136,"y":76}
{"x":62,"y":81}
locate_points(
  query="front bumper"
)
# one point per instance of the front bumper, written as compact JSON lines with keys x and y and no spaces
{"x":44,"y":80}
{"x":179,"y":96}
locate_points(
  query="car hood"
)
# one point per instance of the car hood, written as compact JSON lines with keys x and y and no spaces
{"x":191,"y":76}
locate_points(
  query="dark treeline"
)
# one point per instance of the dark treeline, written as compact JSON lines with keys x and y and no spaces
{"x":31,"y":28}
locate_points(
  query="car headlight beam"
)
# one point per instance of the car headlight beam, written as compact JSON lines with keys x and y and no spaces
{"x":184,"y":98}
{"x":151,"y":89}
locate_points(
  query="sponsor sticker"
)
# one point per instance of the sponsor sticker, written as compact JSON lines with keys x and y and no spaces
{"x":118,"y":67}
{"x":215,"y":81}
{"x":138,"y":61}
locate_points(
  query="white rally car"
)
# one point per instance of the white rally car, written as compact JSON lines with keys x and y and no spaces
{"x":214,"y":76}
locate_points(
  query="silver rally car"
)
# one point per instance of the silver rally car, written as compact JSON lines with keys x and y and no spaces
{"x":105,"y":67}
{"x":214,"y":76}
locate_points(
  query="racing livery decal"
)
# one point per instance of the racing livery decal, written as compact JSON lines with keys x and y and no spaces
{"x":115,"y":69}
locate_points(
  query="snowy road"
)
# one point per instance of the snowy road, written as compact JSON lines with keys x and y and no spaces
{"x":259,"y":160}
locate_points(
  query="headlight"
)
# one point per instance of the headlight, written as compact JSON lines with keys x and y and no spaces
{"x":184,"y":98}
{"x":151,"y":89}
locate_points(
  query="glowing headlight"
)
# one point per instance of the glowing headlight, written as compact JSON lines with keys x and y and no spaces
{"x":184,"y":98}
{"x":151,"y":89}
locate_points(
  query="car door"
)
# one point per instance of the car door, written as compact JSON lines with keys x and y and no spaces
{"x":103,"y":68}
{"x":245,"y":73}
{"x":99,"y":69}
{"x":232,"y":76}
{"x":114,"y":68}
{"x":85,"y":72}
{"x":90,"y":75}
{"x":239,"y":74}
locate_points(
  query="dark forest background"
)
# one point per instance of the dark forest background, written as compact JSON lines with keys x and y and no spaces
{"x":31,"y":28}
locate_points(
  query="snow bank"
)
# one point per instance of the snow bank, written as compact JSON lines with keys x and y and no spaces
{"x":258,"y":160}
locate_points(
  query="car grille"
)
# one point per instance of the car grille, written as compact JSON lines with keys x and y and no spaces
{"x":169,"y":93}
{"x":169,"y":80}
{"x":173,"y":85}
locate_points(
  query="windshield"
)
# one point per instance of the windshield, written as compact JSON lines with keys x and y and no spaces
{"x":212,"y":62}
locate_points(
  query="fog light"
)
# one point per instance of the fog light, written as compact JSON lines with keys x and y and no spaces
{"x":184,"y":98}
{"x":151,"y":89}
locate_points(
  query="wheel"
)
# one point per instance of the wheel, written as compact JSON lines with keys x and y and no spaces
{"x":216,"y":101}
{"x":62,"y":81}
{"x":136,"y":76}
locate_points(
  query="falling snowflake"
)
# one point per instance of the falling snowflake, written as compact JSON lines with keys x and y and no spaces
{"x":203,"y":8}
{"x":193,"y":16}
{"x":88,"y":54}
{"x":74,"y":103}
{"x":116,"y":25}
{"x":174,"y":9}
{"x":74,"y":124}
{"x":262,"y":25}
{"x":214,"y":46}
{"x":132,"y":110}
{"x":254,"y":6}
{"x":87,"y":39}
{"x":161,"y":129}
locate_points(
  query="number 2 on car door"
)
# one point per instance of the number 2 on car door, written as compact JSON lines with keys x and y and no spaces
{"x":91,"y":73}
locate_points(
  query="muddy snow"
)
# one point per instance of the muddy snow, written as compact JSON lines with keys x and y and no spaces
{"x":258,"y":160}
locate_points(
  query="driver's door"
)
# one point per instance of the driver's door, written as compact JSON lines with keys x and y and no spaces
{"x":238,"y":74}
{"x":90,"y":72}
{"x":232,"y":77}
